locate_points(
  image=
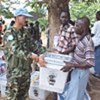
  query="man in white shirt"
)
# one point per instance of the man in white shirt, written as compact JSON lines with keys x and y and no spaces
{"x":96,"y":39}
{"x":96,"y":30}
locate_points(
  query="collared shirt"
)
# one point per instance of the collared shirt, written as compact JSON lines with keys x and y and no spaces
{"x":67,"y":38}
{"x":96,"y":31}
{"x":84,"y":51}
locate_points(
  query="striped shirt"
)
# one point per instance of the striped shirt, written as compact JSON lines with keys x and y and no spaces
{"x":66,"y":39}
{"x":84,"y":52}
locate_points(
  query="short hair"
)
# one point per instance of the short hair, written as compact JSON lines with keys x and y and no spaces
{"x":3,"y":22}
{"x":98,"y":15}
{"x":98,"y":12}
{"x":86,"y":20}
{"x":12,"y":23}
{"x":37,"y":22}
{"x":31,"y":24}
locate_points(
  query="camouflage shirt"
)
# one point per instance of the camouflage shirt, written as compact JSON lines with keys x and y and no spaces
{"x":18,"y":46}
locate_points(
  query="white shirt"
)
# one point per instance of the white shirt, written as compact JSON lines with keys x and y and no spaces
{"x":96,"y":31}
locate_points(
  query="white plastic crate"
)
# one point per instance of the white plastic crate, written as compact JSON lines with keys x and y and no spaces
{"x":52,"y":80}
{"x":3,"y":82}
{"x":57,"y":59}
{"x":2,"y":67}
{"x":1,"y":54}
{"x":51,"y":77}
{"x":35,"y":93}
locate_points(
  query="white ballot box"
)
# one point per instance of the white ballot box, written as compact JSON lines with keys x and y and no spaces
{"x":3,"y":83}
{"x":34,"y":92}
{"x":51,"y":77}
{"x":1,"y":54}
{"x":3,"y":79}
{"x":57,"y":59}
{"x":3,"y":68}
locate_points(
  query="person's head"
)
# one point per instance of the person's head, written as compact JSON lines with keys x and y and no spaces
{"x":86,"y":21}
{"x":12,"y":23}
{"x":64,"y":17}
{"x":82,"y":25}
{"x":31,"y":24}
{"x":37,"y":23}
{"x":3,"y":22}
{"x":21,"y":16}
{"x":98,"y":15}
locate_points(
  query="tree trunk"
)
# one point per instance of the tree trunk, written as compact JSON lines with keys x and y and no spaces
{"x":54,"y":11}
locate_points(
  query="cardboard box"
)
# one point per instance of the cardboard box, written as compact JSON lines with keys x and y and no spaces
{"x":35,"y":93}
{"x":51,"y":77}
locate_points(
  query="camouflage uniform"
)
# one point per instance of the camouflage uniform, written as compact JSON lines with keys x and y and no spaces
{"x":19,"y":45}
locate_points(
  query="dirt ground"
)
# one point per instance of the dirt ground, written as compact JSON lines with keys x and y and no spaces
{"x":50,"y":97}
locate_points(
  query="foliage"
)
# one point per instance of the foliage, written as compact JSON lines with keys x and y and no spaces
{"x":5,"y":12}
{"x":43,"y":23}
{"x":4,"y":9}
{"x":83,"y":9}
{"x":78,"y":8}
{"x":40,"y":8}
{"x":87,"y":1}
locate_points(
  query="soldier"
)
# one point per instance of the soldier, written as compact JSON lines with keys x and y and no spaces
{"x":19,"y":51}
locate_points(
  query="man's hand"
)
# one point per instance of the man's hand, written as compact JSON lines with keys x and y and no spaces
{"x":67,"y":66}
{"x":41,"y":61}
{"x":35,"y":57}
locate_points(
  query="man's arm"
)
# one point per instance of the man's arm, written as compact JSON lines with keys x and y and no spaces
{"x":89,"y":56}
{"x":70,"y":65}
{"x":68,"y":50}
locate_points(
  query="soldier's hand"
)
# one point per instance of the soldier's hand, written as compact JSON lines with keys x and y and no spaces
{"x":35,"y":57}
{"x":41,"y":61}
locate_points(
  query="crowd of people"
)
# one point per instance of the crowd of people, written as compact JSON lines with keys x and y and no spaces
{"x":22,"y":44}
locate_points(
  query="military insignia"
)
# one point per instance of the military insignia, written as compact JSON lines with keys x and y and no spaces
{"x":52,"y":79}
{"x":35,"y":91}
{"x":10,"y":37}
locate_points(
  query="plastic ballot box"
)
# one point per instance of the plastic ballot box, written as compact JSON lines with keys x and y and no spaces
{"x":3,"y":79}
{"x":51,"y":76}
{"x":3,"y":83}
{"x":35,"y":93}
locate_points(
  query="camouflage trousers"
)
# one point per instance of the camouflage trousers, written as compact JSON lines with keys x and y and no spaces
{"x":17,"y":84}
